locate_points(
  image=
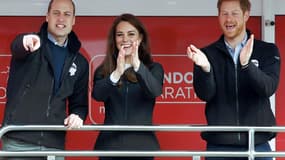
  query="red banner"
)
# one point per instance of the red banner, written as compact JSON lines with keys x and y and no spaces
{"x":169,"y":37}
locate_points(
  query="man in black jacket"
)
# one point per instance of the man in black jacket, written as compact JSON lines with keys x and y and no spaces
{"x":236,"y":76}
{"x":47,"y":73}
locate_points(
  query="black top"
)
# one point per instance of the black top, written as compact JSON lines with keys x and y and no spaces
{"x":237,"y":96}
{"x":129,"y":104}
{"x":30,"y":98}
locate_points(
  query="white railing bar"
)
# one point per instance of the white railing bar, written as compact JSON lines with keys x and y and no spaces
{"x":126,"y":153}
{"x":250,"y":153}
{"x":270,"y":154}
{"x":147,"y":128}
{"x":141,"y":153}
{"x":143,"y":128}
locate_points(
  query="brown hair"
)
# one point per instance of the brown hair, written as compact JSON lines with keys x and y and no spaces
{"x":244,"y":4}
{"x":110,"y":61}
{"x":51,"y":1}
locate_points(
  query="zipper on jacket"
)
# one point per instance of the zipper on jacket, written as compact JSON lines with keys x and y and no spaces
{"x":52,"y":86}
{"x":237,"y":98}
{"x":40,"y":141}
{"x":27,"y":86}
{"x":48,"y":107}
{"x":21,"y":96}
{"x":126,"y":100}
{"x":49,"y":100}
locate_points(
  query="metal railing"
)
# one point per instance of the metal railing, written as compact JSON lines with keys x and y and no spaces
{"x":250,"y":153}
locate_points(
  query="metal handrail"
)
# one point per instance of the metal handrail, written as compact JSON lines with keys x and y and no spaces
{"x":251,"y":153}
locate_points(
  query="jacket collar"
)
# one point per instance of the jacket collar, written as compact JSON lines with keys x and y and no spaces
{"x":220,"y":43}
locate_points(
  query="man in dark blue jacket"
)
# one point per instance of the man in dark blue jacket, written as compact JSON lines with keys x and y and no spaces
{"x":47,"y":71}
{"x":236,"y":76}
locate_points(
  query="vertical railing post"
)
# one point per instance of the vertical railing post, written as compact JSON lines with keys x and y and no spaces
{"x":251,"y":146}
{"x":50,"y":157}
{"x":196,"y":158}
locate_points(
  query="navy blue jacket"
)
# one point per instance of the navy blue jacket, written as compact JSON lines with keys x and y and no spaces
{"x":30,"y":97}
{"x":237,"y":96}
{"x":129,"y":104}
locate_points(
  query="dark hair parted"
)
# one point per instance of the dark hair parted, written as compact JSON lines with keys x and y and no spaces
{"x":110,"y":61}
{"x":244,"y":4}
{"x":51,"y":1}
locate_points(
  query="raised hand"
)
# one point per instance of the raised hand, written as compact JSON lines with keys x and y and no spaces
{"x":198,"y":57}
{"x":31,"y":42}
{"x":119,"y":71}
{"x":246,"y":51}
{"x":135,"y":61}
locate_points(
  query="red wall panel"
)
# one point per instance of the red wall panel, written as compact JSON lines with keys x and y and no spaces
{"x":170,"y":37}
{"x":280,"y":101}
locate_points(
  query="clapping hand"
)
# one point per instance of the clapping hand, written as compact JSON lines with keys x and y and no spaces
{"x":246,"y":51}
{"x":135,"y":62}
{"x":120,"y":69}
{"x":198,"y":57}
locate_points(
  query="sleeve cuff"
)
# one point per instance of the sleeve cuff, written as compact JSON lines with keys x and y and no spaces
{"x":113,"y":79}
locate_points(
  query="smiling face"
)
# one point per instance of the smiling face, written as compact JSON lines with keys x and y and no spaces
{"x":233,"y":20}
{"x":60,"y":19}
{"x":126,"y":35}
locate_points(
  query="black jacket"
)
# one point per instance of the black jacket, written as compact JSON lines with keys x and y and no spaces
{"x":129,"y":104}
{"x":30,"y":98}
{"x":238,"y":96}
